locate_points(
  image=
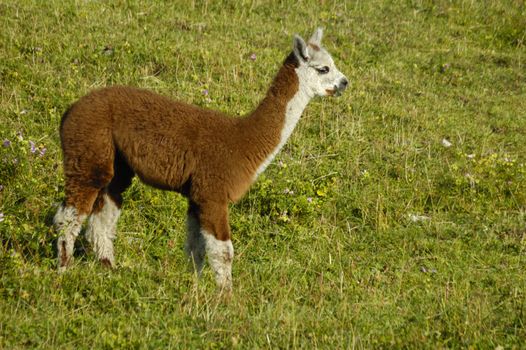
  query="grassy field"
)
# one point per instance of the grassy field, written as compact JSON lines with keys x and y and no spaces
{"x":395,"y":217}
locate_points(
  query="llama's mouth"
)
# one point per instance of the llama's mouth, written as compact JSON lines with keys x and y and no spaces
{"x":333,"y":92}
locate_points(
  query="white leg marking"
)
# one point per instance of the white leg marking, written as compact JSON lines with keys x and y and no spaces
{"x":101,"y":231}
{"x":68,"y":224}
{"x":220,"y":255}
{"x":195,"y":243}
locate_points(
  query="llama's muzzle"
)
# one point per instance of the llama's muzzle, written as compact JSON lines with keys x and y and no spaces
{"x":342,"y":84}
{"x":338,"y":89}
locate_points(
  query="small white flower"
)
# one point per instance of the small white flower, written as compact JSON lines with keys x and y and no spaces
{"x":284,"y":216}
{"x":446,"y":143}
{"x":418,"y":218}
{"x":471,"y":179}
{"x":282,"y":164}
{"x":288,"y":191}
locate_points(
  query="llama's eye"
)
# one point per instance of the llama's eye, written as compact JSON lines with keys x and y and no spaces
{"x":323,"y":70}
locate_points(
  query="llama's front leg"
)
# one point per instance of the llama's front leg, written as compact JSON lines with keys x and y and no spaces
{"x":195,"y":242}
{"x":220,"y":255}
{"x":216,"y":233}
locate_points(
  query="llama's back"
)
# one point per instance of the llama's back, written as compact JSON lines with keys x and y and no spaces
{"x":164,"y":141}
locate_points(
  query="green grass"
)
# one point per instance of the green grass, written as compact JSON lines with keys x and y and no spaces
{"x":338,"y":263}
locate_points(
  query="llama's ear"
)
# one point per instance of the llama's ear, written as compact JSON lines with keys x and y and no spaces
{"x":300,"y":49}
{"x":315,"y":39}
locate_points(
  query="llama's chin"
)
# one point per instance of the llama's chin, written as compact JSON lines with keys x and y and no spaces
{"x":333,"y":92}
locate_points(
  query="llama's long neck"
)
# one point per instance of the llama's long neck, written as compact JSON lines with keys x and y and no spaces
{"x":276,"y":116}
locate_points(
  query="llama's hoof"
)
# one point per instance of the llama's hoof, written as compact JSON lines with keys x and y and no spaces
{"x":225,"y":294}
{"x":107,"y":263}
{"x":225,"y":287}
{"x":64,"y":264}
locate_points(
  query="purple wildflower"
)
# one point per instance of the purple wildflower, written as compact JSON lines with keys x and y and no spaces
{"x":205,"y":92}
{"x":33,"y":147}
{"x":309,"y":199}
{"x":6,"y":143}
{"x":253,"y":57}
{"x":42,"y":152}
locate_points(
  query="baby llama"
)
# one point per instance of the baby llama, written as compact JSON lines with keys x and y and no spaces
{"x":115,"y":133}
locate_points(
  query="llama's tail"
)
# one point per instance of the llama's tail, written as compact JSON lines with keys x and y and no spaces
{"x":64,"y":117}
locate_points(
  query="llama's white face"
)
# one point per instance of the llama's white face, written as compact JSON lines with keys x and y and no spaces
{"x":317,"y":72}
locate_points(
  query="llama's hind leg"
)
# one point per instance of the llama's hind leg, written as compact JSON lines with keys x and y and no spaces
{"x":68,"y":222}
{"x":102,"y":224}
{"x":101,"y":230}
{"x":195,"y":242}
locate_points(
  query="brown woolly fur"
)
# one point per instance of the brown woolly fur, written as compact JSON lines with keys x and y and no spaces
{"x":113,"y":133}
